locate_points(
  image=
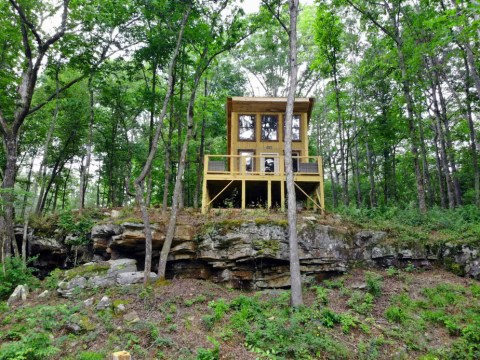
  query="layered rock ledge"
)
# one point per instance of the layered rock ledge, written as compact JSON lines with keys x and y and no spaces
{"x":254,"y":254}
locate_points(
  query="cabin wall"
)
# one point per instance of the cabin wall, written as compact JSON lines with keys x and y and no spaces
{"x":261,"y":146}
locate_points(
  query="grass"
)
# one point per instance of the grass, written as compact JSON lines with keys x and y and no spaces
{"x":434,"y":315}
{"x":410,"y":227}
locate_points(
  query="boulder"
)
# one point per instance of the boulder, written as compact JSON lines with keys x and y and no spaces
{"x":131,"y":317}
{"x":135,"y":277}
{"x":104,"y":303}
{"x":18,"y":296}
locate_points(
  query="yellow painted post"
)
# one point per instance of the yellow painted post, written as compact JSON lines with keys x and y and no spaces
{"x":121,"y":355}
{"x":282,"y":195}
{"x":322,"y":195}
{"x":204,"y":187}
{"x":269,"y":198}
{"x":243,"y":194}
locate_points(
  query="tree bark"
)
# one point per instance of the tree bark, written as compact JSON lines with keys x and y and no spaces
{"x":86,"y":169}
{"x":201,"y":152}
{"x":295,"y":275}
{"x":140,"y":180}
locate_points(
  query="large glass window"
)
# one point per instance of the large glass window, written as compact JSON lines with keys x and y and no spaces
{"x":246,"y":127}
{"x":248,"y":159}
{"x":270,"y":127}
{"x":295,"y":128}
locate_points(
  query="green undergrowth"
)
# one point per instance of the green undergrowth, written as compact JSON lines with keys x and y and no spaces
{"x":394,"y":314}
{"x":410,"y":226}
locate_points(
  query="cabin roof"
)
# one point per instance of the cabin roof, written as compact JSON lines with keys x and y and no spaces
{"x":264,"y":104}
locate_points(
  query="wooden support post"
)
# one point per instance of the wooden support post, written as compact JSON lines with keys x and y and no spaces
{"x":282,"y":195}
{"x":322,"y":194}
{"x":244,"y":193}
{"x":269,"y":197}
{"x":204,"y":186}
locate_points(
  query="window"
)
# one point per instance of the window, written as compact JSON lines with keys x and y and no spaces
{"x":270,"y":127}
{"x":246,"y":127}
{"x":295,"y":127}
{"x":248,"y":154}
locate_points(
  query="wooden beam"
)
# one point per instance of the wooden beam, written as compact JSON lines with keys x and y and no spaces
{"x":243,"y":194}
{"x":299,"y":188}
{"x":221,"y":191}
{"x":269,"y":197}
{"x":282,"y":195}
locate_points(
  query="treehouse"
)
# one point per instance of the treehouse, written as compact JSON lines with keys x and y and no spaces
{"x":252,"y":174}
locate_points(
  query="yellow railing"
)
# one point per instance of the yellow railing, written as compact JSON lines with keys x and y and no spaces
{"x":264,"y":164}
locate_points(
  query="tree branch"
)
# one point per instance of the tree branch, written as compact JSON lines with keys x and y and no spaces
{"x":25,"y":21}
{"x":276,"y":15}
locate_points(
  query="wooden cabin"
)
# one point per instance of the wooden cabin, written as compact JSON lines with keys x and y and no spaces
{"x":252,"y":174}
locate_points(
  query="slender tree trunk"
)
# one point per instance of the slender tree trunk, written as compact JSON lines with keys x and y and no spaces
{"x":27,"y":189}
{"x":473,"y":135}
{"x":168,"y":162}
{"x":295,"y":275}
{"x":86,"y":169}
{"x":152,"y":125}
{"x":201,"y":152}
{"x":426,"y":172}
{"x":140,"y":180}
{"x":443,"y":151}
{"x":8,"y":196}
{"x":177,"y":193}
{"x":343,"y":173}
{"x":448,"y":140}
{"x":371,"y":176}
{"x":443,"y":198}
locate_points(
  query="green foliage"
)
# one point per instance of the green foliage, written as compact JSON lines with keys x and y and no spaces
{"x":52,"y":280}
{"x":32,"y":346}
{"x":77,"y":224}
{"x":15,"y":274}
{"x":210,"y":354}
{"x":360,"y":302}
{"x":322,"y":295}
{"x":395,"y":314}
{"x":90,"y":355}
{"x":374,"y":283}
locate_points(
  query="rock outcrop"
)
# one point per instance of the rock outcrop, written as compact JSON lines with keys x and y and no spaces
{"x":254,"y":254}
{"x":100,"y":275}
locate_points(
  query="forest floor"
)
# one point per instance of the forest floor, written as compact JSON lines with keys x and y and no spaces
{"x":381,"y":314}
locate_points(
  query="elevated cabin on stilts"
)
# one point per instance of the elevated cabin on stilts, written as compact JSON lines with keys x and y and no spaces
{"x":252,"y":174}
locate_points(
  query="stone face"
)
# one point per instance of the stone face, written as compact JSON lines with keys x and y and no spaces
{"x":19,"y":295}
{"x":128,"y":278}
{"x":131,"y":317}
{"x":104,"y":303}
{"x":106,"y":230}
{"x":44,"y":294}
{"x":255,"y":254}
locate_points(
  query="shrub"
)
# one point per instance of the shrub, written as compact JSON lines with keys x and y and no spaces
{"x":33,"y":346}
{"x":15,"y":274}
{"x":396,"y":314}
{"x":374,"y":283}
{"x":361,"y":303}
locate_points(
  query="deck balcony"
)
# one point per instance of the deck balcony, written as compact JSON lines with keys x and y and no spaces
{"x":244,"y":178}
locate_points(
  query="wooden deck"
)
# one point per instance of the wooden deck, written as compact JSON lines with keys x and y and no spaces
{"x":222,"y":172}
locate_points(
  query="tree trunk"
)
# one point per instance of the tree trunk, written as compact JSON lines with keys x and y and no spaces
{"x":27,"y":189}
{"x":443,"y":198}
{"x":198,"y":183}
{"x":177,"y":192}
{"x":472,"y":132}
{"x":86,"y":169}
{"x":295,"y":275}
{"x":343,"y":173}
{"x":152,"y":125}
{"x":371,"y":176}
{"x":8,"y":195}
{"x":139,"y":181}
